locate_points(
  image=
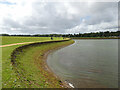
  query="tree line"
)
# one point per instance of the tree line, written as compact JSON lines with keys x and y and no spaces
{"x":92,"y":34}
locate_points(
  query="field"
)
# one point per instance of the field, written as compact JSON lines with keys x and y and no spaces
{"x":30,"y":70}
{"x":12,"y":39}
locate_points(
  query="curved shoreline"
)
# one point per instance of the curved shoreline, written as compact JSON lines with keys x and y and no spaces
{"x":44,"y":57}
{"x":66,"y":84}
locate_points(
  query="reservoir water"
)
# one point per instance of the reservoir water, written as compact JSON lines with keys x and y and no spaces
{"x":87,"y":63}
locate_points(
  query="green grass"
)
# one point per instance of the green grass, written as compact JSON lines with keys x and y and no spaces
{"x":0,"y":67}
{"x":28,"y":64}
{"x":13,"y":39}
{"x":8,"y":75}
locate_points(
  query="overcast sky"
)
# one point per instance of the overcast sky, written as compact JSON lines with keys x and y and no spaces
{"x":38,"y":17}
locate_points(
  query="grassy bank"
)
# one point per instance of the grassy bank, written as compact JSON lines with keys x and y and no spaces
{"x":8,"y":75}
{"x":95,"y":38}
{"x":30,"y":69}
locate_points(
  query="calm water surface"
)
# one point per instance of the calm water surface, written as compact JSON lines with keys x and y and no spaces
{"x":87,"y":63}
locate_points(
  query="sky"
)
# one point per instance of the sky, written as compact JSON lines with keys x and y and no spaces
{"x":58,"y":17}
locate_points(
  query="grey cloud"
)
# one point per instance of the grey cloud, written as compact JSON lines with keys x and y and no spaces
{"x":11,"y":23}
{"x":55,"y":17}
{"x":103,"y":12}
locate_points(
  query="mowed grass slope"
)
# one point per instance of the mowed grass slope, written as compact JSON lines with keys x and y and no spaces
{"x":8,"y":74}
{"x":28,"y":61}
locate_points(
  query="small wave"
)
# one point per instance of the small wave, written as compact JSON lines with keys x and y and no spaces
{"x":71,"y":85}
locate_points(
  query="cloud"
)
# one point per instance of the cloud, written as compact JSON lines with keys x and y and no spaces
{"x":104,"y":26}
{"x":35,"y":17}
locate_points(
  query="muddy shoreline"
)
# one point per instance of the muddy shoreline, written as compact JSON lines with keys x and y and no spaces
{"x":49,"y":69}
{"x":44,"y":58}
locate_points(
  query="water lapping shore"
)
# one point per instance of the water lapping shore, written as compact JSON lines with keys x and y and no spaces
{"x":87,"y":63}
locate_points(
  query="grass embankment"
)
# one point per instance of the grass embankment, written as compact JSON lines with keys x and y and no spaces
{"x":8,"y":75}
{"x":29,"y":70}
{"x":95,"y":38}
